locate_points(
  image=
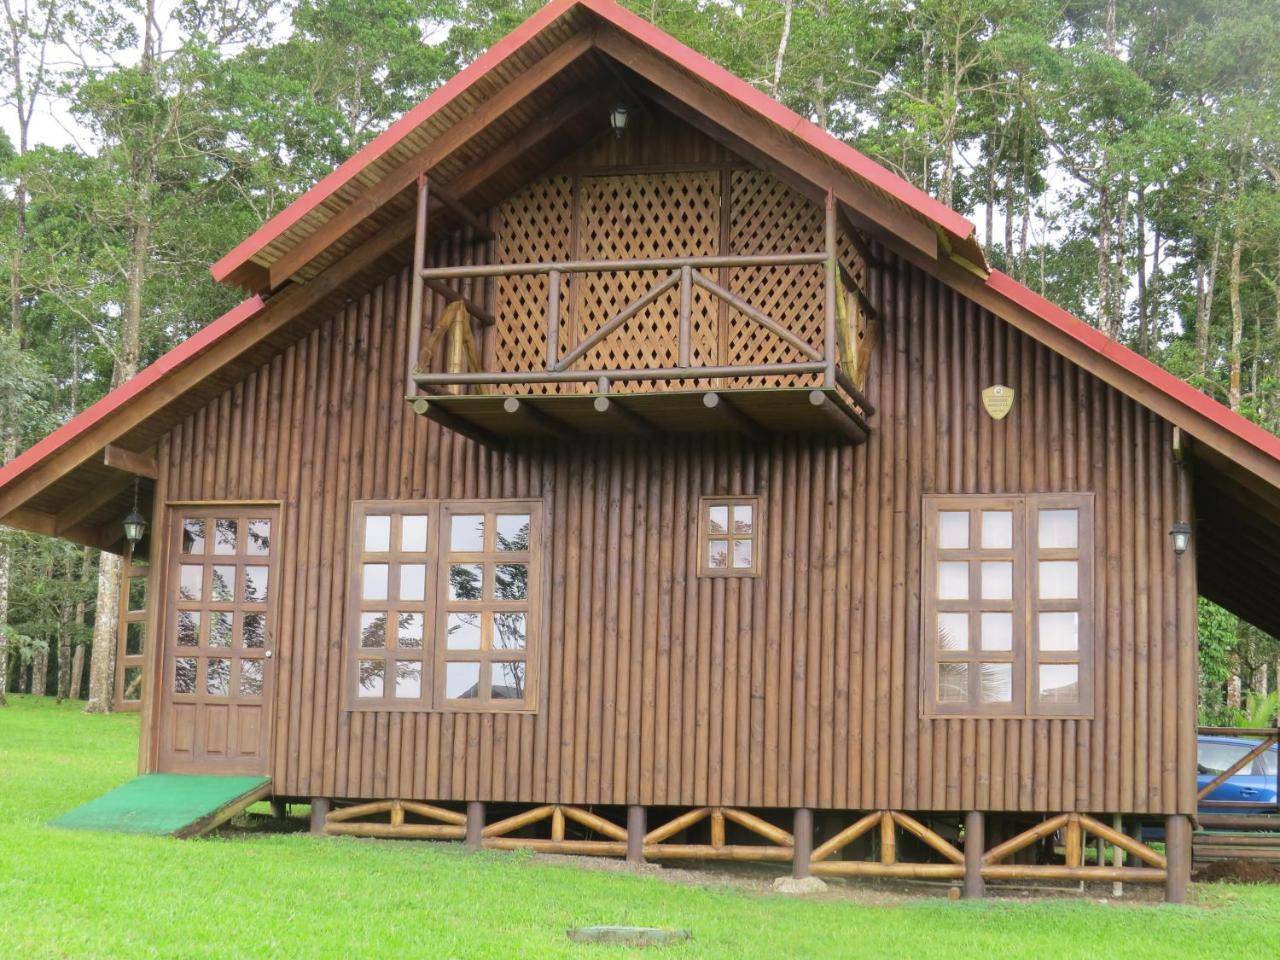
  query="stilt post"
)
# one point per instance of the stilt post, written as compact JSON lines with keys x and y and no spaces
{"x":636,"y":829}
{"x":1177,"y":841}
{"x":475,"y":823}
{"x":974,"y":842}
{"x":279,"y":809}
{"x":802,"y":830}
{"x":319,"y":810}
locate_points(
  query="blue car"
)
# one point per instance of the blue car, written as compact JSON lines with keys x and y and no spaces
{"x":1254,"y":783}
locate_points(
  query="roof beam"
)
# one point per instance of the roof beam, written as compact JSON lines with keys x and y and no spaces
{"x":130,"y":461}
{"x":432,"y":410}
{"x":274,"y":315}
{"x":456,"y":136}
{"x":540,"y":420}
{"x":720,"y":406}
{"x":464,"y":213}
{"x":759,"y":140}
{"x":86,"y":507}
{"x":612,"y":408}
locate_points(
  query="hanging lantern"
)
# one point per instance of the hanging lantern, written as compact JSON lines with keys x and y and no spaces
{"x":618,"y":120}
{"x":135,"y":524}
{"x":1181,"y":537}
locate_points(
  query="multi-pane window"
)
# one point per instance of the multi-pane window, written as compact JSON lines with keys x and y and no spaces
{"x":729,"y":536}
{"x":443,"y":612}
{"x":1006,"y":611}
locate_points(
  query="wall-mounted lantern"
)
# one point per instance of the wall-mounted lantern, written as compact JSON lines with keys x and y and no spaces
{"x":618,"y":120}
{"x":1181,"y":537}
{"x":135,"y":524}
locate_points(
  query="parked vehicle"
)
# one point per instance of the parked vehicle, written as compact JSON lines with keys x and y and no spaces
{"x":1254,"y":783}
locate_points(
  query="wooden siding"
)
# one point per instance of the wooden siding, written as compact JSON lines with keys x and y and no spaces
{"x":658,"y":687}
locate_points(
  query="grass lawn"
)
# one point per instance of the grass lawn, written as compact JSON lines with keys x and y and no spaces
{"x":76,"y":894}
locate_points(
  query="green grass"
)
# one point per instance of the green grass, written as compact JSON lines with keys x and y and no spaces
{"x":78,"y":894}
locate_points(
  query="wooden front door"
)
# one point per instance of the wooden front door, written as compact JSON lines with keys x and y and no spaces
{"x":219,"y":624}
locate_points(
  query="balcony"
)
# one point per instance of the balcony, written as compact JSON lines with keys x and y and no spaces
{"x":644,"y":346}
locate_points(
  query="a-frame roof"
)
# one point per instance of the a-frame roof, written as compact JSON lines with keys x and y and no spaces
{"x":505,"y":118}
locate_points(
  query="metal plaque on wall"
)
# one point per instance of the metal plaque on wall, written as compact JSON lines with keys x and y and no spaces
{"x":998,"y":401}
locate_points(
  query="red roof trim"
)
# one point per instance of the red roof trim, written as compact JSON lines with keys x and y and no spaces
{"x":1139,"y":366}
{"x":379,"y":145}
{"x":178,"y":357}
{"x":646,"y":33}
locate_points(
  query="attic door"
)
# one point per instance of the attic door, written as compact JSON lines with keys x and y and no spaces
{"x":635,"y":216}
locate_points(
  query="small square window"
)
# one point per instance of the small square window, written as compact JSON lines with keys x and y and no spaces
{"x":953,"y":631}
{"x":953,"y":529}
{"x":462,"y":681}
{"x":372,"y":673}
{"x":413,"y":534}
{"x":728,"y":530}
{"x":377,"y":534}
{"x":1059,"y":683}
{"x":953,"y":683}
{"x":373,"y":631}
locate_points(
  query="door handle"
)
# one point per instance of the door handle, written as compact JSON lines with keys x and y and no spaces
{"x":1248,"y":791}
{"x":267,"y":654}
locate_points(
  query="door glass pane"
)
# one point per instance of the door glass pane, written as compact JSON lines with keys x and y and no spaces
{"x":953,"y":683}
{"x":997,"y":682}
{"x":1059,"y":580}
{"x":509,"y":631}
{"x":377,"y":534}
{"x":371,"y":676}
{"x":1059,"y":529}
{"x":224,"y":536}
{"x":997,"y":529}
{"x":718,"y":554}
{"x":250,"y":677}
{"x":507,"y":680}
{"x":953,"y":580}
{"x":190,"y":581}
{"x":1060,"y":630}
{"x":222,"y":584}
{"x":220,"y":629}
{"x":413,"y":581}
{"x":743,"y":521}
{"x":512,"y":531}
{"x":374,"y":586}
{"x":257,"y":541}
{"x":462,"y":681}
{"x":193,"y":536}
{"x":718,"y":519}
{"x":409,"y":679}
{"x":463,"y":631}
{"x":188,"y":628}
{"x":466,"y":533}
{"x":255,"y":584}
{"x":137,"y":594}
{"x":997,"y":631}
{"x":413,"y":534}
{"x":409,"y":632}
{"x":134,"y":634}
{"x":742,"y":554}
{"x":953,"y":631}
{"x":510,"y":581}
{"x":466,"y":581}
{"x":132,"y":684}
{"x":1059,"y":683}
{"x":253,"y":630}
{"x":953,"y":529}
{"x":184,"y":675}
{"x":997,"y":580}
{"x":373,"y":631}
{"x":217,"y":682}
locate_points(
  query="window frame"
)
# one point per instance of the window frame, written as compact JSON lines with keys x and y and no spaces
{"x":705,"y":535}
{"x":434,"y":605}
{"x":1025,"y":605}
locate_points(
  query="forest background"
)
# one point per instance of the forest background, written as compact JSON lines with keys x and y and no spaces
{"x":1120,"y":157}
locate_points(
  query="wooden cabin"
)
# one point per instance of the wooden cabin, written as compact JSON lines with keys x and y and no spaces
{"x":606,"y":460}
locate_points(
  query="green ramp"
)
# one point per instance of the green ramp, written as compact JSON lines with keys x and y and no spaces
{"x":167,"y":804}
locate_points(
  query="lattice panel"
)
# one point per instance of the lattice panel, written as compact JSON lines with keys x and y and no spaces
{"x":769,"y":217}
{"x":638,"y":216}
{"x":533,"y":226}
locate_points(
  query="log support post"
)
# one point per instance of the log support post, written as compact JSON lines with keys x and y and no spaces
{"x":636,"y":828}
{"x":319,"y":810}
{"x":279,"y":809}
{"x":1177,"y":840}
{"x":974,"y":842}
{"x":475,"y":823}
{"x":802,"y":830}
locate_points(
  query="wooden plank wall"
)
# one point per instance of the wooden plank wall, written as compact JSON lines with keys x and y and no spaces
{"x":662,"y":688}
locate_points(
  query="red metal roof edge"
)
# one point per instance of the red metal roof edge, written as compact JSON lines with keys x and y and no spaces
{"x":748,"y":96}
{"x":1160,"y":378}
{"x":150,"y":376}
{"x":371,"y":151}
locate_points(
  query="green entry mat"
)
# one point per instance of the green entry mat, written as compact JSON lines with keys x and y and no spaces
{"x":167,"y":804}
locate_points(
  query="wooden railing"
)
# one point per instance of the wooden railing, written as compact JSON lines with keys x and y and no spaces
{"x":675,"y":273}
{"x":1266,"y":736}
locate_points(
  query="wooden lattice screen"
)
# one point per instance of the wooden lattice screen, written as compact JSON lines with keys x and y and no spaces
{"x":663,"y":214}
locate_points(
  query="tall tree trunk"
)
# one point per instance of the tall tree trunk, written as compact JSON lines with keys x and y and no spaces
{"x":40,"y":672}
{"x":781,"y":56}
{"x":1106,"y":320}
{"x":77,"y":672}
{"x":1144,"y":333}
{"x":1204,"y":303}
{"x":1237,"y":322}
{"x":106,"y":619}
